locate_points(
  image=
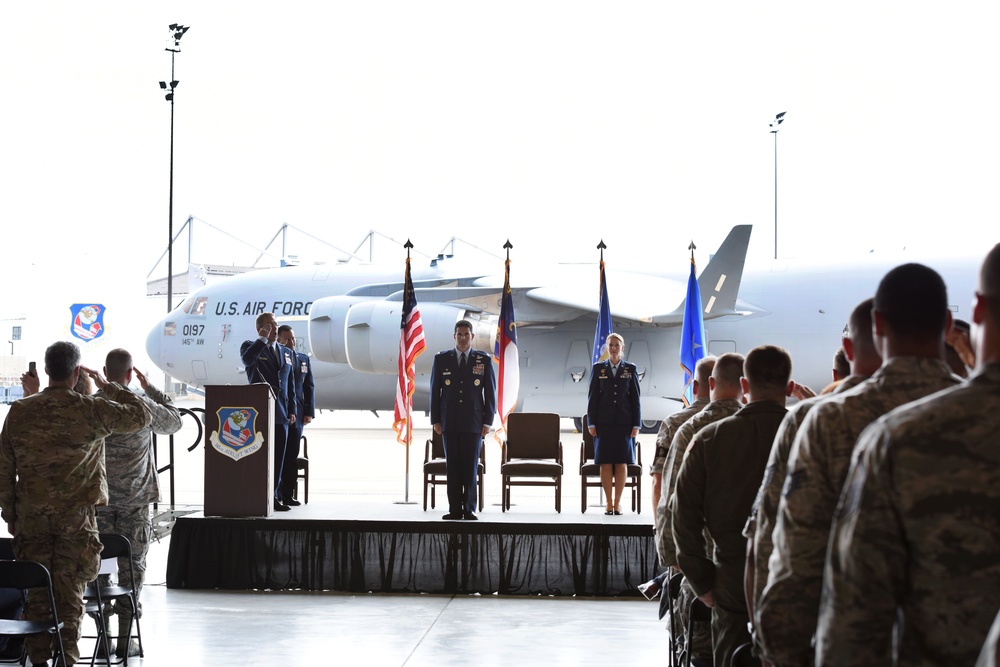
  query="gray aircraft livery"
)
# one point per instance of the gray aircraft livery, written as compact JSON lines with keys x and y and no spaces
{"x":347,"y":318}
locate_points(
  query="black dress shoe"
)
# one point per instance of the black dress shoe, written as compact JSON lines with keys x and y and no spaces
{"x":292,"y":502}
{"x":280,"y":506}
{"x":452,"y":516}
{"x":469,"y":516}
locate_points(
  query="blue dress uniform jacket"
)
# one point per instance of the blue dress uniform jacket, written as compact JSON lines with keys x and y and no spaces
{"x":263,"y":366}
{"x":462,"y":402}
{"x":613,"y":409}
{"x":302,"y":387}
{"x":611,"y":399}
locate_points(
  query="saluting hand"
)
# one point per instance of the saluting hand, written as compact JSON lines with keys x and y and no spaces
{"x":99,"y":381}
{"x":143,"y":381}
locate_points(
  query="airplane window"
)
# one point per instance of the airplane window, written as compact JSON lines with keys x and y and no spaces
{"x":170,"y":329}
{"x":199,"y":306}
{"x":186,"y":306}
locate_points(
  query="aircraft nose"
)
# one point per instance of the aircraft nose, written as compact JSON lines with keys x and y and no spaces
{"x":153,"y":343}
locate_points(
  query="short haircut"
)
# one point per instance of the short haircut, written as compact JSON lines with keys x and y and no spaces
{"x":463,"y":323}
{"x":728,"y":369}
{"x":260,"y":319}
{"x":768,"y":367}
{"x":284,"y":328}
{"x":118,"y":363}
{"x":860,"y":322}
{"x":913,"y":300}
{"x":61,"y":359}
{"x":703,"y":370}
{"x":989,"y":275}
{"x":840,"y":363}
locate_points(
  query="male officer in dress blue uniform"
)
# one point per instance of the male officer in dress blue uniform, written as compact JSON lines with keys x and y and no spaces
{"x":305,"y":410}
{"x":268,"y":361}
{"x":463,"y":400}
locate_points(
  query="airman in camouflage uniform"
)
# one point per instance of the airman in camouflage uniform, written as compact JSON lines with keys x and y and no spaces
{"x":726,"y":393}
{"x":914,"y":559}
{"x":669,"y":428}
{"x":132,"y":483}
{"x":910,"y":319}
{"x":52,"y":476}
{"x":716,"y":487}
{"x":864,"y":360}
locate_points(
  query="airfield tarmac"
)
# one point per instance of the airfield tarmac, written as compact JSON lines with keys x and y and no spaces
{"x":274,"y":628}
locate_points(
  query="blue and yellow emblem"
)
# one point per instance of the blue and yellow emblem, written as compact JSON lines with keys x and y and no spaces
{"x":237,"y":436}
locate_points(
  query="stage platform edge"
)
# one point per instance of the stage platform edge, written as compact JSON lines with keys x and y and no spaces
{"x":502,"y":553}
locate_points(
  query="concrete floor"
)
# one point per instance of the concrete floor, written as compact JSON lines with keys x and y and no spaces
{"x":193,"y":628}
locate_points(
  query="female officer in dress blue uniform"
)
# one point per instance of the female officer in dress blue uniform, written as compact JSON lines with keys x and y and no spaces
{"x":613,"y":417}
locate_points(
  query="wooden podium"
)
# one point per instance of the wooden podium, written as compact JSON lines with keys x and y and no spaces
{"x":239,"y":455}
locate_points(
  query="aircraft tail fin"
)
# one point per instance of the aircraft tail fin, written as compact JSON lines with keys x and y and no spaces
{"x":719,"y":281}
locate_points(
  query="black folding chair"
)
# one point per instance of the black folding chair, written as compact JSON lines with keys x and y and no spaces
{"x":25,"y":575}
{"x":97,"y":596}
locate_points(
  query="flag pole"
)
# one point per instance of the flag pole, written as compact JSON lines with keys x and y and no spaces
{"x":411,"y":345}
{"x":409,"y":407}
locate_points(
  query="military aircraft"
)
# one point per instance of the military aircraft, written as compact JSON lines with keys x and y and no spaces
{"x":347,"y":317}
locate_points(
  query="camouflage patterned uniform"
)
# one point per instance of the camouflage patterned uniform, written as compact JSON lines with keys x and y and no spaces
{"x":761,"y":521}
{"x":51,"y":477}
{"x":915,"y":548}
{"x":663,"y":439}
{"x":133,"y":485}
{"x":817,"y":467}
{"x":713,"y":412}
{"x":716,"y":487}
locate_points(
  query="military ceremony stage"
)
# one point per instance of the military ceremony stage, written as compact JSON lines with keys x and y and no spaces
{"x":399,"y":548}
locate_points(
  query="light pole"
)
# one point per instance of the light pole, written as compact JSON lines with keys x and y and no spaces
{"x":778,"y":120}
{"x":176,"y":32}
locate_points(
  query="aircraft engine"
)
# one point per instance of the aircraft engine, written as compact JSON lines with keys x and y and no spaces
{"x":364,"y":333}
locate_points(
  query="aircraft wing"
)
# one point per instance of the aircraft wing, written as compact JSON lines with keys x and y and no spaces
{"x":632,"y":296}
{"x":658,"y":300}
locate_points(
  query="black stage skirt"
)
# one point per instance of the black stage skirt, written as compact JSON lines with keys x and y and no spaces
{"x":614,"y":444}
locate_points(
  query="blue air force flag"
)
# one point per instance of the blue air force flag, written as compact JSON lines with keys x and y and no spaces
{"x":692,"y":334}
{"x":603,"y":322}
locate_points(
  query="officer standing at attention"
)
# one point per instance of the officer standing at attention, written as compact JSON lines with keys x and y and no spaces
{"x":268,"y":361}
{"x":463,"y":400}
{"x":305,"y":409}
{"x":613,"y":417}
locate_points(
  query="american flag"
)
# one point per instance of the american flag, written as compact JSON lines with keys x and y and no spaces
{"x":505,"y":352}
{"x":411,"y":345}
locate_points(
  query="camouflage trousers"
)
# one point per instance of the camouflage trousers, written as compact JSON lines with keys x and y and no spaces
{"x":68,"y":546}
{"x":134,"y":523}
{"x":701,"y":642}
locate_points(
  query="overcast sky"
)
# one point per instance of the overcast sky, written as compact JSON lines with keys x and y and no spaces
{"x":554,"y":124}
